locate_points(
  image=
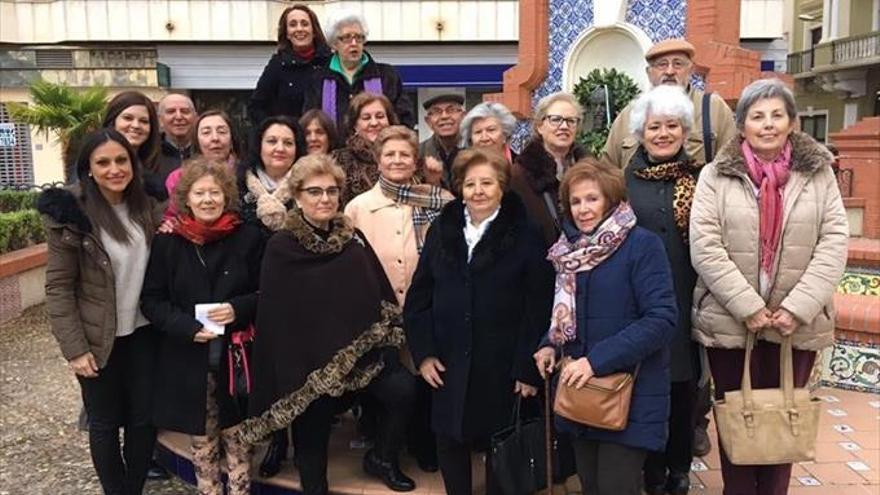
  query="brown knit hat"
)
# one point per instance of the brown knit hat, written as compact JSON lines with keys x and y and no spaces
{"x":674,"y":45}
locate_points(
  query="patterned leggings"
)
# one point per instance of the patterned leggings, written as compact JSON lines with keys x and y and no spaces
{"x":206,"y":453}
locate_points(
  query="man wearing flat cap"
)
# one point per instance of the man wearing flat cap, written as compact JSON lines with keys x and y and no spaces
{"x":671,"y":62}
{"x":444,"y":114}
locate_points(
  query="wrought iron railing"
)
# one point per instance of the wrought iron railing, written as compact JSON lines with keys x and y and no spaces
{"x":799,"y":62}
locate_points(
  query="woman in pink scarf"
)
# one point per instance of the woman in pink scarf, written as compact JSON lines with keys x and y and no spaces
{"x":768,"y":239}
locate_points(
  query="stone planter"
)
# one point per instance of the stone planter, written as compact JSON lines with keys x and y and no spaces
{"x":22,"y":280}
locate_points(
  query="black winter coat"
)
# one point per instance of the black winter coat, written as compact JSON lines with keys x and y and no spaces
{"x":392,"y":87}
{"x":483,"y":319}
{"x":282,"y":86}
{"x":652,"y":203}
{"x":176,"y":281}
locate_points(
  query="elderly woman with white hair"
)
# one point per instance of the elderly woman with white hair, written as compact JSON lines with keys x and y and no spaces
{"x":351,"y":71}
{"x":771,"y":187}
{"x":489,"y":125}
{"x":550,"y":152}
{"x":661,"y":179}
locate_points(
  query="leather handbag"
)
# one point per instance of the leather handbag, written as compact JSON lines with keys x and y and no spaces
{"x":603,"y":402}
{"x":239,"y":368}
{"x":768,"y":426}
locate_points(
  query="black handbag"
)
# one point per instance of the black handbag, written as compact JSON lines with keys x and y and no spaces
{"x":239,"y":354}
{"x":520,"y":454}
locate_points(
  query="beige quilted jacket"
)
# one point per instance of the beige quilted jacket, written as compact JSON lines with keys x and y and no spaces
{"x":725,"y":248}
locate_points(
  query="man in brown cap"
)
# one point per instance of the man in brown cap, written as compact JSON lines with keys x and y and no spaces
{"x":671,"y":62}
{"x":444,"y":114}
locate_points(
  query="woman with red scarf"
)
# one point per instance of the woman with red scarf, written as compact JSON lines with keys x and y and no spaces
{"x":302,"y":49}
{"x":773,"y":187}
{"x":210,"y":258}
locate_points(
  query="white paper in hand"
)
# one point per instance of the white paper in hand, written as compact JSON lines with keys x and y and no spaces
{"x":202,"y":317}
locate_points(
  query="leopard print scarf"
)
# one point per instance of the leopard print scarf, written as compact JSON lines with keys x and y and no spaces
{"x":684,"y":173}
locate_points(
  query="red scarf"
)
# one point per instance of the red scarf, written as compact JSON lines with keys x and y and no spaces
{"x":199,"y":233}
{"x":770,"y":178}
{"x":306,"y":54}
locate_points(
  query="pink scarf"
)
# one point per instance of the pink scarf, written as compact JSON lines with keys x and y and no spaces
{"x":770,"y":178}
{"x":584,"y":254}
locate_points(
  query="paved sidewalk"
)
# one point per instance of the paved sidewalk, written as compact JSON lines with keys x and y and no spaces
{"x":42,"y":452}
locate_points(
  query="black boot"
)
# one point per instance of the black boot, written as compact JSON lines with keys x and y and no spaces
{"x":388,"y":471}
{"x":275,"y":455}
{"x":678,"y":484}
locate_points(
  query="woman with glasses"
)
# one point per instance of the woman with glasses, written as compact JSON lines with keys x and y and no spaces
{"x":551,"y":151}
{"x":328,"y":328}
{"x":352,"y":71}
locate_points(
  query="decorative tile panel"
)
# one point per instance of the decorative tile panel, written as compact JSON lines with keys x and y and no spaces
{"x":852,"y":366}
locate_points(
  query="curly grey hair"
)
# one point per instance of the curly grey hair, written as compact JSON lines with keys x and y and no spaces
{"x":763,"y":89}
{"x":665,"y":100}
{"x":342,"y":19}
{"x":483,"y":111}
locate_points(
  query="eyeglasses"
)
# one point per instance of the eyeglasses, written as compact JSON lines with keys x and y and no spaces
{"x":453,"y":110}
{"x":676,"y":63}
{"x":319,"y":192}
{"x":348,"y":38}
{"x":557,"y":120}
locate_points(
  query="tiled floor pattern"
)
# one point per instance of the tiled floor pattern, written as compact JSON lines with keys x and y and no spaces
{"x":847,"y":456}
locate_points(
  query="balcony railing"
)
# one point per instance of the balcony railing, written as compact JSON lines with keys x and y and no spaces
{"x":851,"y":51}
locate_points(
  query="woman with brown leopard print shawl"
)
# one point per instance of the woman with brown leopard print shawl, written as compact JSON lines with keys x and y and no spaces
{"x":661,"y":179}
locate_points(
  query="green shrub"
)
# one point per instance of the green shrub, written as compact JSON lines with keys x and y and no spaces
{"x":621,"y":90}
{"x":20,"y":229}
{"x":11,"y":200}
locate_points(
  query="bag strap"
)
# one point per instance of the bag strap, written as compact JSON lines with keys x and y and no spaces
{"x":551,"y":209}
{"x":708,"y":150}
{"x":746,"y":384}
{"x":548,"y":431}
{"x":786,"y":369}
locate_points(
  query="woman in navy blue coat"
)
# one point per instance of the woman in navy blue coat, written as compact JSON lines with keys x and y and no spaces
{"x":475,"y":311}
{"x":614,"y":309}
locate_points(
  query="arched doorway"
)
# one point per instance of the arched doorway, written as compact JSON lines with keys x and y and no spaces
{"x":621,"y":46}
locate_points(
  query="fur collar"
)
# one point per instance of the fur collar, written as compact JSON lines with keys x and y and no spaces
{"x":360,"y":149}
{"x":341,"y":233}
{"x":540,"y":166}
{"x":500,"y":238}
{"x":63,"y":206}
{"x":807,"y":156}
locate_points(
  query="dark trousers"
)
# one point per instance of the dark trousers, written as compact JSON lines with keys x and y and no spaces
{"x":727,"y":368}
{"x":676,"y":459}
{"x":606,"y":468}
{"x":393,"y":391}
{"x":454,"y":459}
{"x":121,"y":397}
{"x":422,"y":443}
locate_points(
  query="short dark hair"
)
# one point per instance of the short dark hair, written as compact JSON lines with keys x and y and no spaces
{"x":194,"y":169}
{"x":233,"y":134}
{"x":149,"y":151}
{"x":299,"y":139}
{"x":359,"y":102}
{"x":471,"y":157}
{"x":97,"y":208}
{"x":610,"y":180}
{"x":326,"y":123}
{"x":318,"y":33}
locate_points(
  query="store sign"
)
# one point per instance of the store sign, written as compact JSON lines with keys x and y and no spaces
{"x":7,"y":135}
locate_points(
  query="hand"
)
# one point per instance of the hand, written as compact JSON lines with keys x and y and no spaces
{"x":785,"y":322}
{"x":524,"y":390}
{"x":433,"y":170}
{"x":577,"y":373}
{"x":167,"y":226}
{"x":545,"y":360}
{"x":223,"y":314}
{"x":430,"y":370}
{"x":203,"y":336}
{"x":84,"y":365}
{"x":759,"y":320}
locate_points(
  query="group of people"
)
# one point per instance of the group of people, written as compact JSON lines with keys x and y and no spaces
{"x":432,"y":285}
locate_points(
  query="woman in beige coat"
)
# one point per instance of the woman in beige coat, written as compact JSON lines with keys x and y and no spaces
{"x":768,"y":237}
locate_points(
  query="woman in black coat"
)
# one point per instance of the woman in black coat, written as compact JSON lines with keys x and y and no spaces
{"x":210,"y":258}
{"x":477,"y":307}
{"x":302,"y":49}
{"x":661,"y":179}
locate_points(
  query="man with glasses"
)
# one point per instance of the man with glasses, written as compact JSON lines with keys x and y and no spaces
{"x":671,"y":62}
{"x":351,"y":71}
{"x":444,"y":114}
